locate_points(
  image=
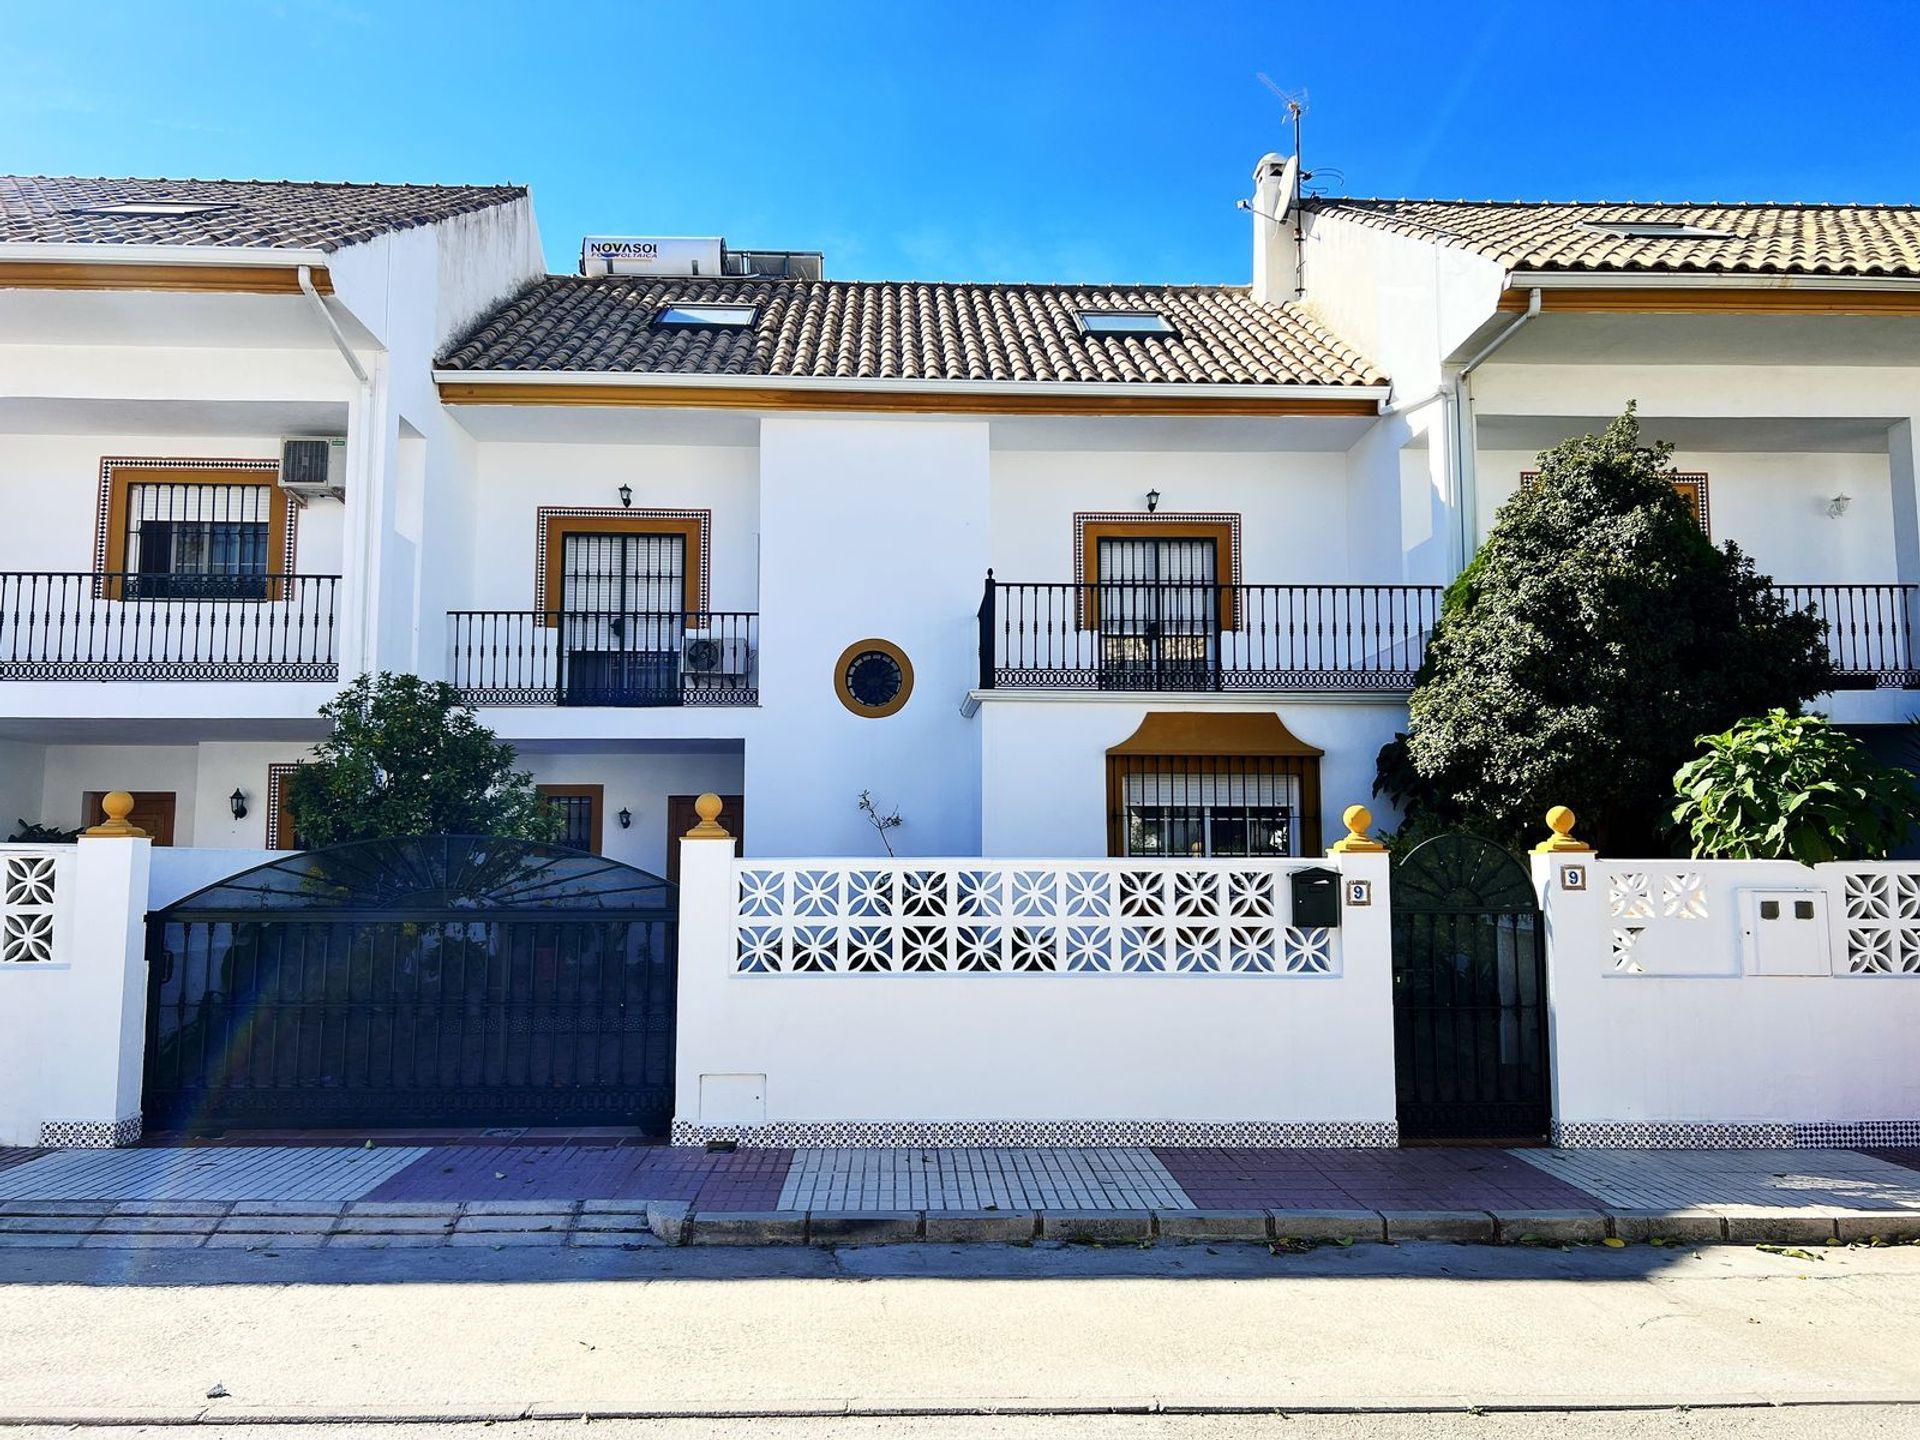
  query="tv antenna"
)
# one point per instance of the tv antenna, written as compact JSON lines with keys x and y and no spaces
{"x":1296,"y":103}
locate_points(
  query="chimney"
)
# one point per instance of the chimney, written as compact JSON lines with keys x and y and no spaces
{"x":1276,"y":247}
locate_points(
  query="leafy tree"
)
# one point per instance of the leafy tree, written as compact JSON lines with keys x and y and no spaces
{"x":1597,"y":631}
{"x":407,"y":757}
{"x":1792,"y":787}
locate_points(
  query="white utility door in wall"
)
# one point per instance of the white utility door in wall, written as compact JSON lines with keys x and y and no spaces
{"x":624,"y":598}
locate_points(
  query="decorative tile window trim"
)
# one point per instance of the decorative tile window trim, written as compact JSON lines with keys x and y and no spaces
{"x":280,"y":834}
{"x":864,"y":1134}
{"x":103,"y":514}
{"x":1690,"y":485}
{"x":1090,"y":526}
{"x":32,"y":892}
{"x":700,"y":561}
{"x":986,"y":917}
{"x":90,"y":1134}
{"x":1880,"y":912}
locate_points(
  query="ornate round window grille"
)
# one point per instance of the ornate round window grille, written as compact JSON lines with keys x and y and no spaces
{"x":874,"y":678}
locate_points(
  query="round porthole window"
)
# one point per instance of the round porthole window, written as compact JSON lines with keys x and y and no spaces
{"x":874,"y":678}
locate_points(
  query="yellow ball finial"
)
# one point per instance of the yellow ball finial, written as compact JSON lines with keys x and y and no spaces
{"x":1561,"y":842}
{"x":708,"y":808}
{"x":1358,"y":820}
{"x":118,"y":804}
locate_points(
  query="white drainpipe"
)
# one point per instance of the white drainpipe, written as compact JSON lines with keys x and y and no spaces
{"x":1462,"y":436}
{"x":361,"y":484}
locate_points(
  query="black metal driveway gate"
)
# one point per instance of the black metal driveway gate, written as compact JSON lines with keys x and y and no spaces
{"x":1469,"y":994}
{"x":447,"y":980}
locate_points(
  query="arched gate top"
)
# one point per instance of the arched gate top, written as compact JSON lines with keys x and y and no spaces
{"x":1461,"y":872}
{"x":433,"y":873}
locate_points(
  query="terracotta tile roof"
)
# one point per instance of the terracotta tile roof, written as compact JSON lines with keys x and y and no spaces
{"x":1840,"y":240}
{"x":271,"y":214}
{"x":863,"y":330}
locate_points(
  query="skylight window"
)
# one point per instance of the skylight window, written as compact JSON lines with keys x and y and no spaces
{"x":1656,"y":230}
{"x":1124,"y":322}
{"x":707,"y":317}
{"x":150,"y":207}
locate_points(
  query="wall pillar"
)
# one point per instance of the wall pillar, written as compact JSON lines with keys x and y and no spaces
{"x":703,"y":1097}
{"x":73,"y":1023}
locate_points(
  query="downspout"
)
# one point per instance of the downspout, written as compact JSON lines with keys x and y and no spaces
{"x":1462,"y":436}
{"x":340,"y":340}
{"x":358,"y":438}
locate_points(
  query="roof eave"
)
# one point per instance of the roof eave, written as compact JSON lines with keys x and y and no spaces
{"x":1700,"y":280}
{"x":585,"y":387}
{"x":109,"y":254}
{"x":907,"y":396}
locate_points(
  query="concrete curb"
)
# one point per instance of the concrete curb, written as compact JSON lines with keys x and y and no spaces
{"x":266,"y":1225}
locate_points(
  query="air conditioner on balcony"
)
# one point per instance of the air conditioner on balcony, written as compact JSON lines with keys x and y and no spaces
{"x":314,"y":466}
{"x":715,"y":656}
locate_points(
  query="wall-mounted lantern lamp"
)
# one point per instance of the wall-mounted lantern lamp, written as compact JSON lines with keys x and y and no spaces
{"x":626,"y":497}
{"x":237,"y":802}
{"x":626,"y":818}
{"x":1153,"y":501}
{"x":1837,"y":506}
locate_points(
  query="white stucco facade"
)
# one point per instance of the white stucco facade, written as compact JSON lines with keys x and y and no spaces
{"x":822,"y":528}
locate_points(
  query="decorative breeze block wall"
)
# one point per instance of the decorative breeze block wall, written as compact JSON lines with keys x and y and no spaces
{"x":32,"y":882}
{"x":1033,"y":918}
{"x":1881,"y":910}
{"x":1655,"y":915}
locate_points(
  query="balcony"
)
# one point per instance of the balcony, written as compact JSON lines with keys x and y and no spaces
{"x":619,"y":658}
{"x":1870,"y":631}
{"x":121,"y":625}
{"x":1156,"y":637}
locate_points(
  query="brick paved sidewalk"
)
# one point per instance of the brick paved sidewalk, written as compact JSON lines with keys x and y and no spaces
{"x":605,"y":1190}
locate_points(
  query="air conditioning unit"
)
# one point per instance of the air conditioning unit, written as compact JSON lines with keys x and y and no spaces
{"x":715,"y":656}
{"x":312,"y":466}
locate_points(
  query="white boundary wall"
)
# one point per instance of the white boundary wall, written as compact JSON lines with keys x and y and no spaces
{"x":1727,"y":1003}
{"x":73,"y":990}
{"x":1029,"y":1001}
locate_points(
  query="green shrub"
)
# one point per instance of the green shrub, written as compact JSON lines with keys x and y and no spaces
{"x":408,"y":757}
{"x":1792,"y":787}
{"x":1596,"y":631}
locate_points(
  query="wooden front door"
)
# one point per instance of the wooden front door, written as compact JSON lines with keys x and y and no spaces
{"x":682,"y":817}
{"x":152,"y":812}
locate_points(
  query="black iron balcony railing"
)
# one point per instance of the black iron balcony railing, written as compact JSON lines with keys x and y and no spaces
{"x":120,"y":625}
{"x":606,"y":657}
{"x":1870,"y":631}
{"x":1147,"y":636}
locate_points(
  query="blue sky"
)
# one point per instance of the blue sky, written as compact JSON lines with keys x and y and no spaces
{"x":1030,"y":141}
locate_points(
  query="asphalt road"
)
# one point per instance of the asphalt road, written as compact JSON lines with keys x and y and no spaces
{"x":441,"y":1335}
{"x":1791,"y":1423}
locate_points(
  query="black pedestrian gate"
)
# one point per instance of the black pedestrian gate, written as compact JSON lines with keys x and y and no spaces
{"x":1469,"y":994}
{"x":447,"y":980}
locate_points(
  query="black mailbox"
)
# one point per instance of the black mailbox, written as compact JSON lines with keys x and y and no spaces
{"x":1316,"y":898}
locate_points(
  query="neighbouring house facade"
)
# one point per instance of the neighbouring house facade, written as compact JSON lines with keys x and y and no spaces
{"x":1061,"y":570}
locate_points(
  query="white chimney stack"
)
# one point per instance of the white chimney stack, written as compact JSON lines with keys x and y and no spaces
{"x":1276,"y":250}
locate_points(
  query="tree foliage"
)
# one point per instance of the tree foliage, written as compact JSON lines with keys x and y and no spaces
{"x":407,"y":757}
{"x":1594,"y":635}
{"x":1792,"y":787}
